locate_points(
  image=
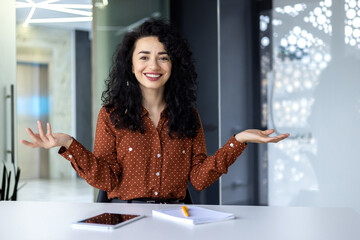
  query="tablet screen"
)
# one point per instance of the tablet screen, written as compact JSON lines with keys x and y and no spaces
{"x":109,"y":219}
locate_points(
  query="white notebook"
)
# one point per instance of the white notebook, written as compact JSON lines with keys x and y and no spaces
{"x":197,"y":215}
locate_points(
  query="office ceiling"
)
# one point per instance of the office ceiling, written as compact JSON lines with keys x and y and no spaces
{"x":69,"y":14}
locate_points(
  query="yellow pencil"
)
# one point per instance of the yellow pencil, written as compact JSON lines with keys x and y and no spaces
{"x":185,"y":210}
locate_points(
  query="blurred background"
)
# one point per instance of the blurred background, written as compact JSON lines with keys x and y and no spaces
{"x":289,"y":65}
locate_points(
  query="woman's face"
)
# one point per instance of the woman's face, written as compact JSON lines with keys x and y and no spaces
{"x":151,"y":63}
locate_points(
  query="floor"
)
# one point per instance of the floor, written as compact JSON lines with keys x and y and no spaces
{"x":73,"y":190}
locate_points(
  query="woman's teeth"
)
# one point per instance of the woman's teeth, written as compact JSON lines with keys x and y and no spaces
{"x":152,"y":75}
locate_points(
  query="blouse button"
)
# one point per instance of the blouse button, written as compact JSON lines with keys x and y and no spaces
{"x":130,"y":149}
{"x":183,"y":151}
{"x":156,"y":193}
{"x":158,"y":155}
{"x":157,"y":174}
{"x":231,"y":145}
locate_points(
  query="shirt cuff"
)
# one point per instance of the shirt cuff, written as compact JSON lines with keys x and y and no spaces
{"x":70,"y":153}
{"x":235,"y":146}
{"x":232,"y":150}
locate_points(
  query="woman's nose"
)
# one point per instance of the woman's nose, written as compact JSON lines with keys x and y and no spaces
{"x":153,"y":64}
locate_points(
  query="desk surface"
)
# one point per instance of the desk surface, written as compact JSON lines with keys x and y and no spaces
{"x":49,"y":220}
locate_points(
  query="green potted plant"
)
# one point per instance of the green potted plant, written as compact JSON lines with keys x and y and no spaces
{"x":6,"y":183}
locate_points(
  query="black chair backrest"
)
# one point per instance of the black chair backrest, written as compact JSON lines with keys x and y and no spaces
{"x":102,"y":197}
{"x":188,"y":199}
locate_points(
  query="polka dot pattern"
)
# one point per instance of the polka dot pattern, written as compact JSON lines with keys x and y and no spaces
{"x":130,"y":165}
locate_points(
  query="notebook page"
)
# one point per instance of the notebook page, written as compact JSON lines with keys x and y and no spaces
{"x":198,"y":215}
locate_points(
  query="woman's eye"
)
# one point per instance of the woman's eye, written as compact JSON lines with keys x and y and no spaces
{"x":164,"y":58}
{"x":143,"y":58}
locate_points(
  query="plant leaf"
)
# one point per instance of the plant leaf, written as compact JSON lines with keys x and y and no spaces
{"x":8,"y":187}
{"x":17,"y":177}
{"x":3,"y":185}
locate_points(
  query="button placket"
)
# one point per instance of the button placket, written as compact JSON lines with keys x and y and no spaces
{"x":158,"y":170}
{"x":157,"y":157}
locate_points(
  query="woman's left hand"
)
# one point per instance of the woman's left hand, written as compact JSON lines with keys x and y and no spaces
{"x":258,"y":136}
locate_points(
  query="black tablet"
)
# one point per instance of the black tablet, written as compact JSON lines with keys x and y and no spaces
{"x":106,"y":221}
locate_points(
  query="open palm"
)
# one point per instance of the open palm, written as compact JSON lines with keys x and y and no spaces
{"x":259,"y":136}
{"x":48,"y":140}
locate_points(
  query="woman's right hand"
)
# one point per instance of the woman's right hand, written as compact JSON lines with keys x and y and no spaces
{"x":48,"y":140}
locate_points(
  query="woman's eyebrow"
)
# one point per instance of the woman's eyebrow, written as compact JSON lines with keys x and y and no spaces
{"x":147,"y":52}
{"x":144,"y":52}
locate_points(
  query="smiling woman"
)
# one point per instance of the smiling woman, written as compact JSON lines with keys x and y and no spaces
{"x":149,"y":139}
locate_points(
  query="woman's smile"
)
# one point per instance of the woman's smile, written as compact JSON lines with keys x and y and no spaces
{"x":153,"y":76}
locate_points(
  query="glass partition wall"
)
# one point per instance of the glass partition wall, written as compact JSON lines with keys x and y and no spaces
{"x":110,"y":23}
{"x":310,"y":58}
{"x":52,"y":58}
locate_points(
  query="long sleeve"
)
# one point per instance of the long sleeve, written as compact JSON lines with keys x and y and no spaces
{"x":100,"y":169}
{"x":206,"y":170}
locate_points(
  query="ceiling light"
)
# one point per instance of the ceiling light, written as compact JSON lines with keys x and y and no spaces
{"x":60,"y":8}
{"x":58,"y":20}
{"x":77,"y":6}
{"x":29,"y":16}
{"x":65,"y":8}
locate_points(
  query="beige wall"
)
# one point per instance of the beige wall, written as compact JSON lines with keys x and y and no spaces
{"x":53,"y":47}
{"x":7,"y":76}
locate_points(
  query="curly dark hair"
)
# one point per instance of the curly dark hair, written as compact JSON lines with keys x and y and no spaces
{"x":123,"y":98}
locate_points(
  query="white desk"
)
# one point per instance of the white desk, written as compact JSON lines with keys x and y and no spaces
{"x":49,"y":220}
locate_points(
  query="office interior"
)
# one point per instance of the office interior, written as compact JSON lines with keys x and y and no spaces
{"x":289,"y":65}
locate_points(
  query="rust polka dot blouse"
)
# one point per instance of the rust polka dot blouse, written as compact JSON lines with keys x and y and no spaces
{"x":130,"y":165}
